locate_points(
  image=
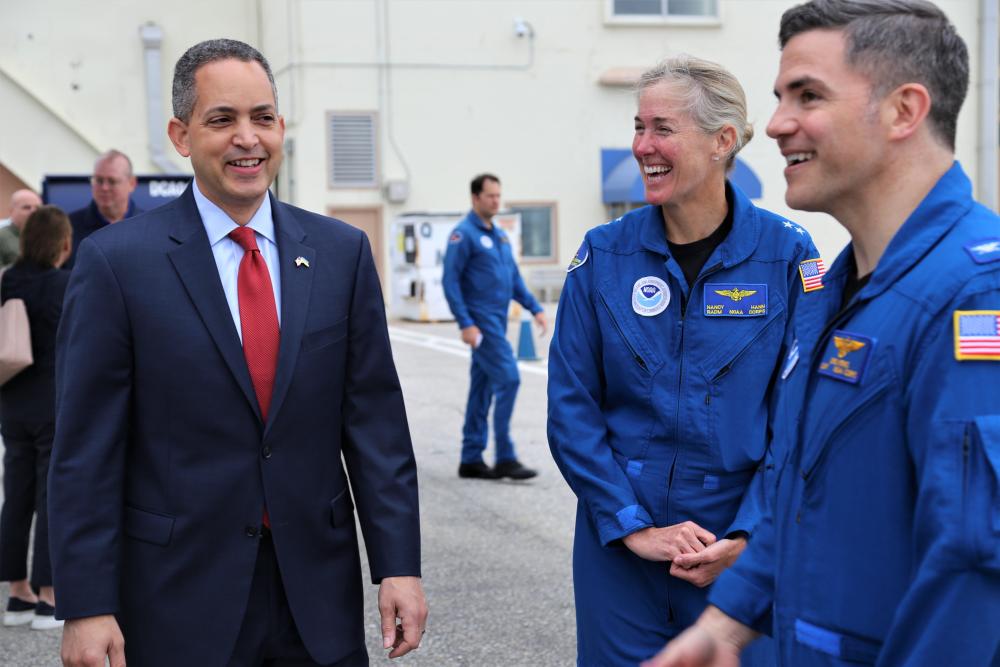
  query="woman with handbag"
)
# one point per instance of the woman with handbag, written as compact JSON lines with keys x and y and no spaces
{"x":27,"y":418}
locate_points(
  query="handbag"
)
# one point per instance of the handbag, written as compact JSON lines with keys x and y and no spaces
{"x":15,"y":338}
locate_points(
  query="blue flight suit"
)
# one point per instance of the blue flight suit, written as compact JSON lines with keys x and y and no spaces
{"x":883,"y":545}
{"x":657,"y":411}
{"x":480,"y":278}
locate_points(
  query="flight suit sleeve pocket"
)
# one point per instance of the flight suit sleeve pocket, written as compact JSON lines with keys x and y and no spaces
{"x":985,"y":454}
{"x":324,"y":337}
{"x":341,"y":509}
{"x":148,"y":526}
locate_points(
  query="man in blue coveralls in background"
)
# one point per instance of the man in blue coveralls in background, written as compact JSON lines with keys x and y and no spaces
{"x":883,"y":542}
{"x":480,"y":279}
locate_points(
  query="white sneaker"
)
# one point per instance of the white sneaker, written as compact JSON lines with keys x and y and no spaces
{"x":18,"y":612}
{"x":45,"y":617}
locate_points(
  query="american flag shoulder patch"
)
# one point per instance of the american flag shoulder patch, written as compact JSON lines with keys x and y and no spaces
{"x":812,"y":271}
{"x":977,"y":335}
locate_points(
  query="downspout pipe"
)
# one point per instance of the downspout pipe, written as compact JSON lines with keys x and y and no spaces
{"x":152,"y":38}
{"x":988,"y":149}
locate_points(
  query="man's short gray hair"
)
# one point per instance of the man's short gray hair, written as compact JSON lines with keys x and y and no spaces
{"x":713,"y":96}
{"x":112,"y":154}
{"x":893,"y":42}
{"x":184,"y":93}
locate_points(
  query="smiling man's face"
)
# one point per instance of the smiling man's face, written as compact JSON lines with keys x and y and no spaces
{"x":826,"y":124}
{"x":234,"y":136}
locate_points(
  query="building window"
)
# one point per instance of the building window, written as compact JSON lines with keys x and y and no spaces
{"x":352,"y":150}
{"x":663,"y":10}
{"x":538,"y":231}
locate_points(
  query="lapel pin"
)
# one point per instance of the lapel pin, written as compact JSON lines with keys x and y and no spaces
{"x":301,"y":261}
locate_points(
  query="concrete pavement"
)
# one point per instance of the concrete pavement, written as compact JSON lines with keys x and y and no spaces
{"x":497,"y":555}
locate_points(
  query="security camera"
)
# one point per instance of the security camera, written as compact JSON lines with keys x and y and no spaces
{"x":522,"y":28}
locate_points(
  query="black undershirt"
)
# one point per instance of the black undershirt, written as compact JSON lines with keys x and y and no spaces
{"x":853,"y":285}
{"x":692,"y":256}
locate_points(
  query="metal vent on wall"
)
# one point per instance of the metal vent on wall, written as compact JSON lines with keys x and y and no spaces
{"x":352,"y":150}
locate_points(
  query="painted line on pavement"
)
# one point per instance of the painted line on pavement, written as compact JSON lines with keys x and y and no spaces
{"x":452,"y":346}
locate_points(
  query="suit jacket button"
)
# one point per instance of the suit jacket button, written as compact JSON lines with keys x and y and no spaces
{"x":266,"y":452}
{"x":251,"y":531}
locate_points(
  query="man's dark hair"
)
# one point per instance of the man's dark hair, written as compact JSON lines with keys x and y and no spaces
{"x":44,"y":235}
{"x":476,"y":187}
{"x":202,"y":53}
{"x":893,"y":42}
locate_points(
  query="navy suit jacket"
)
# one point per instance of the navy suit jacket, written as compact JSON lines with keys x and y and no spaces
{"x":161,"y":463}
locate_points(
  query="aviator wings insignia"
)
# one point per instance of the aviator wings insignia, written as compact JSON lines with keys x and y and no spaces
{"x":736,"y":294}
{"x":846,"y":345}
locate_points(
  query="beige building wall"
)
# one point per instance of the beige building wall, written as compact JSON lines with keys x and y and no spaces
{"x":454,"y":91}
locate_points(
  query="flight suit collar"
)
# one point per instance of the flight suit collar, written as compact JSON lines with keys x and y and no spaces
{"x":474,"y":218}
{"x":944,"y":205}
{"x":736,"y":247}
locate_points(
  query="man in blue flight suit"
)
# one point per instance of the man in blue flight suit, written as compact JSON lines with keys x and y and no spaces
{"x":883,"y":543}
{"x":480,"y":279}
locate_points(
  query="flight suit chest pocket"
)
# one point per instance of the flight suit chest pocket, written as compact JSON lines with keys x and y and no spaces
{"x":981,"y":451}
{"x":837,"y":407}
{"x":626,"y":338}
{"x":737,"y":379}
{"x":754,"y":344}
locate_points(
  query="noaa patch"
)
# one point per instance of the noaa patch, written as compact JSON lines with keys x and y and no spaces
{"x":650,"y":296}
{"x":846,"y":356}
{"x":580,"y":258}
{"x":984,"y":251}
{"x":735,"y":299}
{"x":455,"y":237}
{"x":486,"y":241}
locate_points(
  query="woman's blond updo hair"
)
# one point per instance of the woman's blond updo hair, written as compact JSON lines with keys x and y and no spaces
{"x":714,"y":97}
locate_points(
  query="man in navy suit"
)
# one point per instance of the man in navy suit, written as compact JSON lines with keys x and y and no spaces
{"x":224,"y":370}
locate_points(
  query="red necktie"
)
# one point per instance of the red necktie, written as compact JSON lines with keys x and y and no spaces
{"x":258,"y":320}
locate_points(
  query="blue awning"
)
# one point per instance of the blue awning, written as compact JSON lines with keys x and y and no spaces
{"x":622,"y":182}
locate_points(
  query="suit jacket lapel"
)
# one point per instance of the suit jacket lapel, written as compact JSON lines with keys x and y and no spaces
{"x":195,"y":265}
{"x":296,"y":286}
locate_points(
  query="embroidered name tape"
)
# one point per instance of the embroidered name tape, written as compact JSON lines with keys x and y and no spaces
{"x":977,"y":335}
{"x":812,"y":271}
{"x":735,"y":299}
{"x":846,"y":356}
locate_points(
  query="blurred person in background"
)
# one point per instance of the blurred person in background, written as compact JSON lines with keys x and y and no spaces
{"x":668,"y":335}
{"x":27,"y":418}
{"x":111,"y":185}
{"x":480,"y":279}
{"x":22,"y":204}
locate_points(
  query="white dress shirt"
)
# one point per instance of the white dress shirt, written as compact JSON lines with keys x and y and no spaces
{"x":228,"y":253}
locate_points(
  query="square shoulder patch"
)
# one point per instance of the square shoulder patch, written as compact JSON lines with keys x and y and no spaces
{"x":977,"y":335}
{"x":812,"y":271}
